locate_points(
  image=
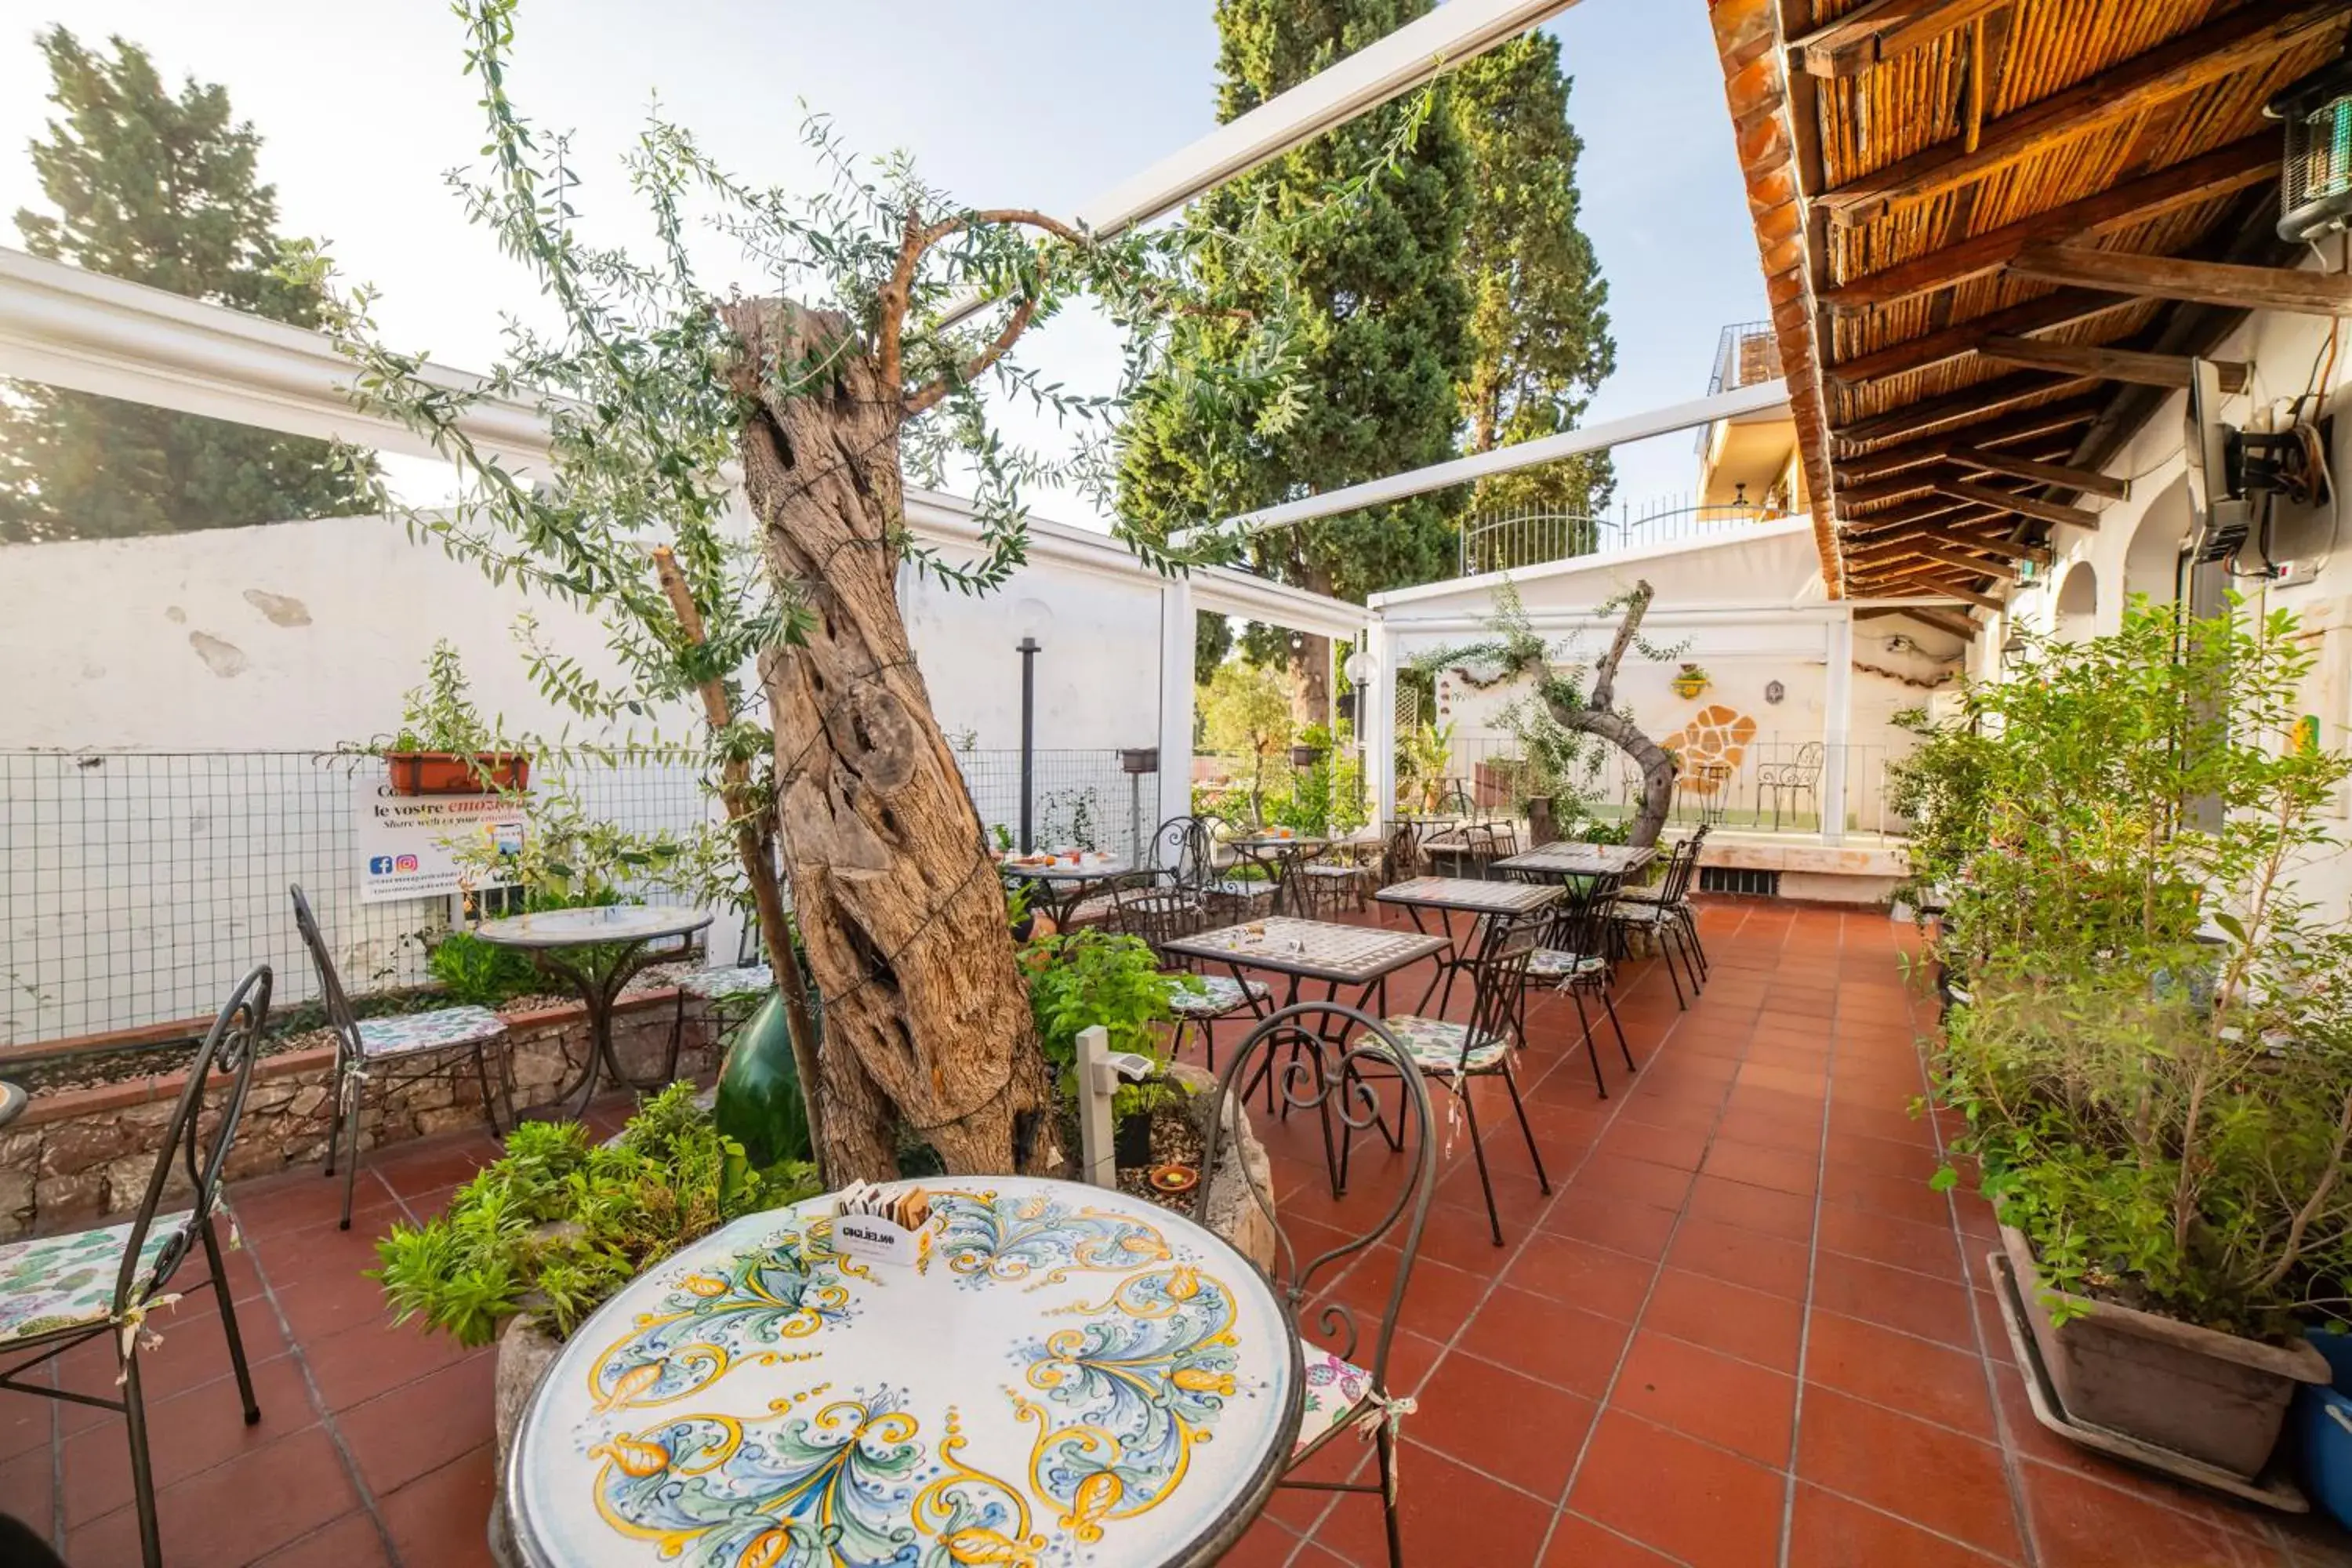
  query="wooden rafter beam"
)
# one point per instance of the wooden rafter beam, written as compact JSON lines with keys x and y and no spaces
{"x":2025,"y":506}
{"x":1941,"y":510}
{"x":1982,"y":401}
{"x":1955,"y":623}
{"x":2064,"y":309}
{"x":2228,"y":284}
{"x":1893,"y":545}
{"x":2088,"y":481}
{"x":2250,"y":160}
{"x":1967,"y":561}
{"x":1939,"y":583}
{"x":2033,"y":423}
{"x":1880,"y":31}
{"x":1921,"y":479}
{"x":2246,"y":39}
{"x":2106,"y":363}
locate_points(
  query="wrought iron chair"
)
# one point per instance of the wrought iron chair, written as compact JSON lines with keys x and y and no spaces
{"x":59,"y":1291}
{"x":730,"y":994}
{"x":1456,"y":1054}
{"x":1161,"y":915}
{"x":1324,"y":1049}
{"x":363,"y":1048}
{"x":1665,"y":915}
{"x":1572,"y":955}
{"x":1802,"y":775}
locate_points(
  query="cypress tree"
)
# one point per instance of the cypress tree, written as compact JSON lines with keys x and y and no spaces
{"x":160,"y":189}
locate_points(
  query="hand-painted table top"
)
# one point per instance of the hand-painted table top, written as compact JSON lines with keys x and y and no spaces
{"x":1100,"y":870}
{"x":592,"y":927}
{"x":1071,"y":1376}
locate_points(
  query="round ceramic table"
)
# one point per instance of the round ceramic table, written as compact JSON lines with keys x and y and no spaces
{"x":1065,"y":884}
{"x":1069,"y":1375}
{"x":596,"y":952}
{"x":12,"y":1100}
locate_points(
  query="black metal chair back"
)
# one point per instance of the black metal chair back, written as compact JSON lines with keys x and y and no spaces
{"x":339,"y":1017}
{"x":1578,"y":923}
{"x":1320,"y":1053}
{"x":1682,"y":868}
{"x":1160,"y":915}
{"x":1505,"y":944}
{"x":1184,"y":853}
{"x":223,"y":1063}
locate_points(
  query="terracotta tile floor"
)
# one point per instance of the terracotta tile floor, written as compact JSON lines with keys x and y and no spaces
{"x":1739,"y":1330}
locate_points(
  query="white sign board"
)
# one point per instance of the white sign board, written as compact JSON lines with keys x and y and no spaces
{"x":406,"y":845}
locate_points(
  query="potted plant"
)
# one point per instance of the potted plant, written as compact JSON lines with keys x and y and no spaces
{"x":1093,"y":977}
{"x":2151,"y":1043}
{"x":1690,"y":680}
{"x":443,"y":746}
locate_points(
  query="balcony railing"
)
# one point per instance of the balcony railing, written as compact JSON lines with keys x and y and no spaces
{"x":1512,"y":541}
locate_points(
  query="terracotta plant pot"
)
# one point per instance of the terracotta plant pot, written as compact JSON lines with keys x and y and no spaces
{"x":2215,"y":1397}
{"x":453,"y":773}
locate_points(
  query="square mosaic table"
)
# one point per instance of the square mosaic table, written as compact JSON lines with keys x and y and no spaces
{"x":1471,"y":895}
{"x":1566,"y":859}
{"x":1070,"y":1375}
{"x":1311,"y":950}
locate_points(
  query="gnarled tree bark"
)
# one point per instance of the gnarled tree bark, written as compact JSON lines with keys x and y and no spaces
{"x":1597,"y":716}
{"x":926,"y":1019}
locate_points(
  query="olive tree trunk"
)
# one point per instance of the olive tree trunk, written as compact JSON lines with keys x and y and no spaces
{"x":1598,"y":716}
{"x":927,"y":1020}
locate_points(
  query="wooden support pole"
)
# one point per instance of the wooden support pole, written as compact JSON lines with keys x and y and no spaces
{"x":2088,"y":480}
{"x":2025,"y":506}
{"x":2227,"y":284}
{"x":2106,"y":363}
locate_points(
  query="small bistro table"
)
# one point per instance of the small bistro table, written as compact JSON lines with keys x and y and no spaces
{"x":1069,"y":1374}
{"x":1361,"y":957}
{"x":1571,"y":859}
{"x":597,"y":951}
{"x":1445,"y":896}
{"x":1065,"y":884}
{"x":1279,"y":857}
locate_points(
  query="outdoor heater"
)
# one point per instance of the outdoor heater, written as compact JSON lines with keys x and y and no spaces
{"x":2316,"y":182}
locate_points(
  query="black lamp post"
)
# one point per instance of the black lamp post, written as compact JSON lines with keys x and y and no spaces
{"x":1029,"y":650}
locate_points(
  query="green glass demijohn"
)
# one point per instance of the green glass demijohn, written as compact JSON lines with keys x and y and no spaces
{"x":760,"y":1103}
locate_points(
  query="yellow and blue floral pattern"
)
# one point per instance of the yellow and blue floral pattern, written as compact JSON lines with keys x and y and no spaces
{"x":1072,"y":1376}
{"x":1435,"y":1044}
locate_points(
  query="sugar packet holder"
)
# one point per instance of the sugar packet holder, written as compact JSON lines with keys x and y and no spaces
{"x":884,"y":1224}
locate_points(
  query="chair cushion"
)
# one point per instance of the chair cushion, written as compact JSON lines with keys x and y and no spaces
{"x":1556,"y":964}
{"x":1335,"y":1393}
{"x":405,"y":1033}
{"x":1238,"y":888}
{"x":1626,"y":914}
{"x":735,"y":980}
{"x":55,"y":1282}
{"x":1325,"y":869}
{"x":1215,"y":996}
{"x":1435,"y":1044}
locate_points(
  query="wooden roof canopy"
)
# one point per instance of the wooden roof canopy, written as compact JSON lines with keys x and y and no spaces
{"x":1993,"y":233}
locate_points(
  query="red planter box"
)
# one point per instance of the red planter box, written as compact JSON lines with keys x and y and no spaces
{"x":452,"y":772}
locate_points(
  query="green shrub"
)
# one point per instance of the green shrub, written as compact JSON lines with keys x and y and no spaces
{"x":558,"y":1225}
{"x":1093,"y":977}
{"x":480,"y":973}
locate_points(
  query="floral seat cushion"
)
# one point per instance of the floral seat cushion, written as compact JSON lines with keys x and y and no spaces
{"x":54,"y":1282}
{"x":1435,"y":1044}
{"x":405,"y":1033}
{"x":1644,"y":914}
{"x":1337,"y":1391}
{"x":736,"y":980}
{"x":1215,"y":996}
{"x":1557,"y":963}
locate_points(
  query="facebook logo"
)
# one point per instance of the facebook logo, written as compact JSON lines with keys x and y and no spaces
{"x":379,"y":865}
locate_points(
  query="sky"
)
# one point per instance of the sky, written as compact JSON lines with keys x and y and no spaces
{"x":362,"y":109}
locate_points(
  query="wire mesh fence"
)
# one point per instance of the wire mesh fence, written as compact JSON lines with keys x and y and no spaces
{"x":135,"y":887}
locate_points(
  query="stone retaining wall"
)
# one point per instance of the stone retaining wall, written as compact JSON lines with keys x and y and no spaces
{"x":86,"y":1155}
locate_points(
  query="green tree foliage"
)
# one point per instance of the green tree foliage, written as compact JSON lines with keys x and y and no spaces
{"x":1539,"y":317}
{"x":1380,"y":325}
{"x":1244,"y":713}
{"x":158,"y":189}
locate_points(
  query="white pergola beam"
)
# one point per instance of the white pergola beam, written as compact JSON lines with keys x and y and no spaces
{"x":1413,"y":54}
{"x":68,"y":327}
{"x":1764,"y":396}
